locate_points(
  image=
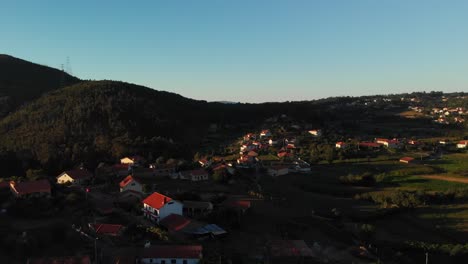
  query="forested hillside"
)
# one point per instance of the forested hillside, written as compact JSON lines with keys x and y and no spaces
{"x":22,"y":81}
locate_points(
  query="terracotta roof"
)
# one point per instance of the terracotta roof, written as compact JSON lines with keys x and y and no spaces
{"x":156,"y":200}
{"x":173,"y":251}
{"x":30,"y":187}
{"x":463,"y":142}
{"x":60,"y":260}
{"x":107,"y":229}
{"x":284,"y":154}
{"x":406,"y":159}
{"x":126,"y":181}
{"x":252,"y":153}
{"x":78,"y":174}
{"x":219,"y":167}
{"x":369,"y":144}
{"x":174,"y":222}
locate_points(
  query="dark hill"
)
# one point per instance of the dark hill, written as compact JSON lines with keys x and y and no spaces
{"x":22,"y":81}
{"x":103,"y":119}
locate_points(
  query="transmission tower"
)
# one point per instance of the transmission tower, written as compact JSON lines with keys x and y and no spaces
{"x":68,"y":68}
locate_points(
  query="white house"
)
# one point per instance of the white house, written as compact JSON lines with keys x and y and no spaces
{"x":131,"y":160}
{"x":157,"y":206}
{"x":389,"y":143}
{"x":130,"y":184}
{"x":265,"y":133}
{"x":75,"y":177}
{"x":340,"y":145}
{"x":315,"y":132}
{"x":171,"y":254}
{"x":278,"y":171}
{"x":194,"y":175}
{"x":462,"y":144}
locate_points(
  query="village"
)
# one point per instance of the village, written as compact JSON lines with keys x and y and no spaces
{"x":171,"y":211}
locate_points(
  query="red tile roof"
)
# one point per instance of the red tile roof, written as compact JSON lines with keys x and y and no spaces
{"x":78,"y":174}
{"x":219,"y":167}
{"x":126,"y":181}
{"x":107,"y":229}
{"x":173,"y":251}
{"x":174,"y":222}
{"x":156,"y":200}
{"x":61,"y":260}
{"x":407,"y":159}
{"x":463,"y":142}
{"x":369,"y":144}
{"x":21,"y":188}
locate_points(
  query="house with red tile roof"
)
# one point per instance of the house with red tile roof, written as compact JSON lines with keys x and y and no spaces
{"x":30,"y":188}
{"x":176,"y":254}
{"x":340,"y":145}
{"x":407,"y":160}
{"x":107,"y":229}
{"x":315,"y":132}
{"x":175,"y":222}
{"x":75,"y":177}
{"x":369,"y":145}
{"x":129,"y":183}
{"x":265,"y":133}
{"x":389,"y":143}
{"x":462,"y":144}
{"x":158,"y":206}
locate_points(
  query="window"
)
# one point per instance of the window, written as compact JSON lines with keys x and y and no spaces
{"x":184,"y":261}
{"x":173,"y":261}
{"x":163,"y":262}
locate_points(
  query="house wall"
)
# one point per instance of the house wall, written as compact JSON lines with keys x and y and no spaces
{"x":172,"y":207}
{"x":126,"y":161}
{"x":168,"y":261}
{"x":133,"y":186}
{"x":203,"y":177}
{"x":64,"y":178}
{"x":150,"y":213}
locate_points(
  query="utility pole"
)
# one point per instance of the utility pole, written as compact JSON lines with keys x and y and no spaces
{"x":427,"y":257}
{"x":95,"y":250}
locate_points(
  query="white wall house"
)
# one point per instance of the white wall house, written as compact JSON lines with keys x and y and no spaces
{"x":462,"y":144}
{"x":75,"y":177}
{"x":315,"y":132}
{"x":130,"y":184}
{"x":158,"y":206}
{"x":172,"y":254}
{"x":265,"y":133}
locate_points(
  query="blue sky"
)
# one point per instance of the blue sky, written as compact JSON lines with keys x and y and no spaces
{"x":249,"y":50}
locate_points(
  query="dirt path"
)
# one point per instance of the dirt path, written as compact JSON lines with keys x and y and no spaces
{"x":445,"y":178}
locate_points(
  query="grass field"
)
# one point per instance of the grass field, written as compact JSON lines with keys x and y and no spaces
{"x":454,"y":164}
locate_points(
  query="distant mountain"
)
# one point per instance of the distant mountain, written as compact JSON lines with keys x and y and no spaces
{"x":22,"y":81}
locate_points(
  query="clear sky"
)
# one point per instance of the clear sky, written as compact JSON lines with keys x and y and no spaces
{"x":248,"y":50}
